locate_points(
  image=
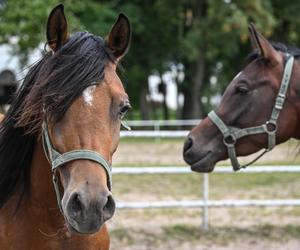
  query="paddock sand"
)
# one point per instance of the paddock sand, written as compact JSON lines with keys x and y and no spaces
{"x":169,"y":152}
{"x":234,"y":229}
{"x":179,"y":229}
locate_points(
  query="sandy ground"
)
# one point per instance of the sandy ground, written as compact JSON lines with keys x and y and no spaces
{"x":234,"y":229}
{"x":170,"y":153}
{"x":179,"y":229}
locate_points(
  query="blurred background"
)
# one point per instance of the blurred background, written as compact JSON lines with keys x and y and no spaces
{"x":183,"y":55}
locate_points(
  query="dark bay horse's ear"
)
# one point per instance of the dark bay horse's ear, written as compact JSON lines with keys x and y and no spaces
{"x":263,"y":46}
{"x":118,"y":39}
{"x":254,"y":44}
{"x":57,"y":28}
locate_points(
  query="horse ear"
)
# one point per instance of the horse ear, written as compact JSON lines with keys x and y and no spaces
{"x":119,"y":37}
{"x":57,"y":28}
{"x":254,"y":44}
{"x":263,"y":46}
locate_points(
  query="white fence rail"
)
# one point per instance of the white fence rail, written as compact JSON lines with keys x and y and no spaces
{"x":156,"y":125}
{"x":153,"y":134}
{"x":218,"y":169}
{"x":159,"y":123}
{"x":205,"y":203}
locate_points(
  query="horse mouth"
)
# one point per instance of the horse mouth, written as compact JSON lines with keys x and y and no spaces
{"x":205,"y":165}
{"x":80,"y":228}
{"x":75,"y":229}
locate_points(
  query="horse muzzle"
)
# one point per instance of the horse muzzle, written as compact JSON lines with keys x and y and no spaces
{"x":86,"y":213}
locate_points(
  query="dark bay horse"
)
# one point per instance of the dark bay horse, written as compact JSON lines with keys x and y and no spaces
{"x":259,"y":109}
{"x":62,"y":129}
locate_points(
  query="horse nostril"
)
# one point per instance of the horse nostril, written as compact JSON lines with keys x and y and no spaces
{"x":188,"y":144}
{"x":86,"y":210}
{"x":109,"y":208}
{"x":75,"y":205}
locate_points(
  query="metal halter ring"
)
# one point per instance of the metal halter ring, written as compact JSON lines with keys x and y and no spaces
{"x":229,"y":140}
{"x":271,"y":126}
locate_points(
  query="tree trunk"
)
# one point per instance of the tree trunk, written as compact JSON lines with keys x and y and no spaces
{"x":165,"y":108}
{"x":187,"y":104}
{"x":192,"y":106}
{"x":144,"y":104}
{"x":197,"y":83}
{"x":162,"y":89}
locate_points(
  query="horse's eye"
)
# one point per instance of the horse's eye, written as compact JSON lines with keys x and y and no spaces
{"x":124,"y":110}
{"x":242,"y":89}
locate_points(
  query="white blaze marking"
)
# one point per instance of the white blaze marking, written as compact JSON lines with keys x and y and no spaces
{"x":88,"y":95}
{"x":237,"y":75}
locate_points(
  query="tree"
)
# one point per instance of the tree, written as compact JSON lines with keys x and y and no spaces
{"x":215,"y":33}
{"x":25,"y":21}
{"x":208,"y":37}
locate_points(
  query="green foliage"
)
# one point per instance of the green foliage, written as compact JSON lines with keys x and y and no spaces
{"x":164,"y":31}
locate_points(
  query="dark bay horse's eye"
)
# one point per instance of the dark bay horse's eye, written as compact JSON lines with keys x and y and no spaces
{"x":242,"y":89}
{"x":124,"y":110}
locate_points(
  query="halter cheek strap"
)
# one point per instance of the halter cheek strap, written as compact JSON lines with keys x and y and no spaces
{"x":232,"y":134}
{"x":57,"y":159}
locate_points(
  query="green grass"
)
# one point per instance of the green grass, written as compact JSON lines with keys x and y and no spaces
{"x":262,"y":185}
{"x":181,"y":232}
{"x":189,"y":186}
{"x":158,"y":186}
{"x":122,"y":235}
{"x":220,"y":236}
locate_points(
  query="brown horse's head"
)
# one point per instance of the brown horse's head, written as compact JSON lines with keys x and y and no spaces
{"x":248,"y":101}
{"x":91,"y":122}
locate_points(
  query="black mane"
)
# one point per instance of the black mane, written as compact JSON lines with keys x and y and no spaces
{"x":279,"y":47}
{"x":50,"y":87}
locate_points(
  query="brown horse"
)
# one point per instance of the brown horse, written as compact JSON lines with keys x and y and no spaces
{"x":70,"y":102}
{"x":259,"y":109}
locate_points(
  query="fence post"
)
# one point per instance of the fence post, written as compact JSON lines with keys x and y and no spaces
{"x":205,"y":199}
{"x":157,"y":129}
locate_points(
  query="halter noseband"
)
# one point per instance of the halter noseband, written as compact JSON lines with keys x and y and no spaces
{"x":232,"y":134}
{"x":57,"y":159}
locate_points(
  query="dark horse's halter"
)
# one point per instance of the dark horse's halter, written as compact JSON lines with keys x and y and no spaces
{"x":232,"y":134}
{"x":57,"y":159}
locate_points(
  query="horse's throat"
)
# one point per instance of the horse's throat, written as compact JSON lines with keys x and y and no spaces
{"x":41,"y":196}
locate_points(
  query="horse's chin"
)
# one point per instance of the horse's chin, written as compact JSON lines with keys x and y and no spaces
{"x":75,"y":229}
{"x":204,"y":165}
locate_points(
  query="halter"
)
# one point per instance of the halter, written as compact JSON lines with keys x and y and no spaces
{"x":57,"y":159}
{"x":232,"y":134}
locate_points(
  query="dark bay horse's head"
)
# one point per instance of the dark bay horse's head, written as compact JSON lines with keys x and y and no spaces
{"x":247,"y":102}
{"x":85,"y":113}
